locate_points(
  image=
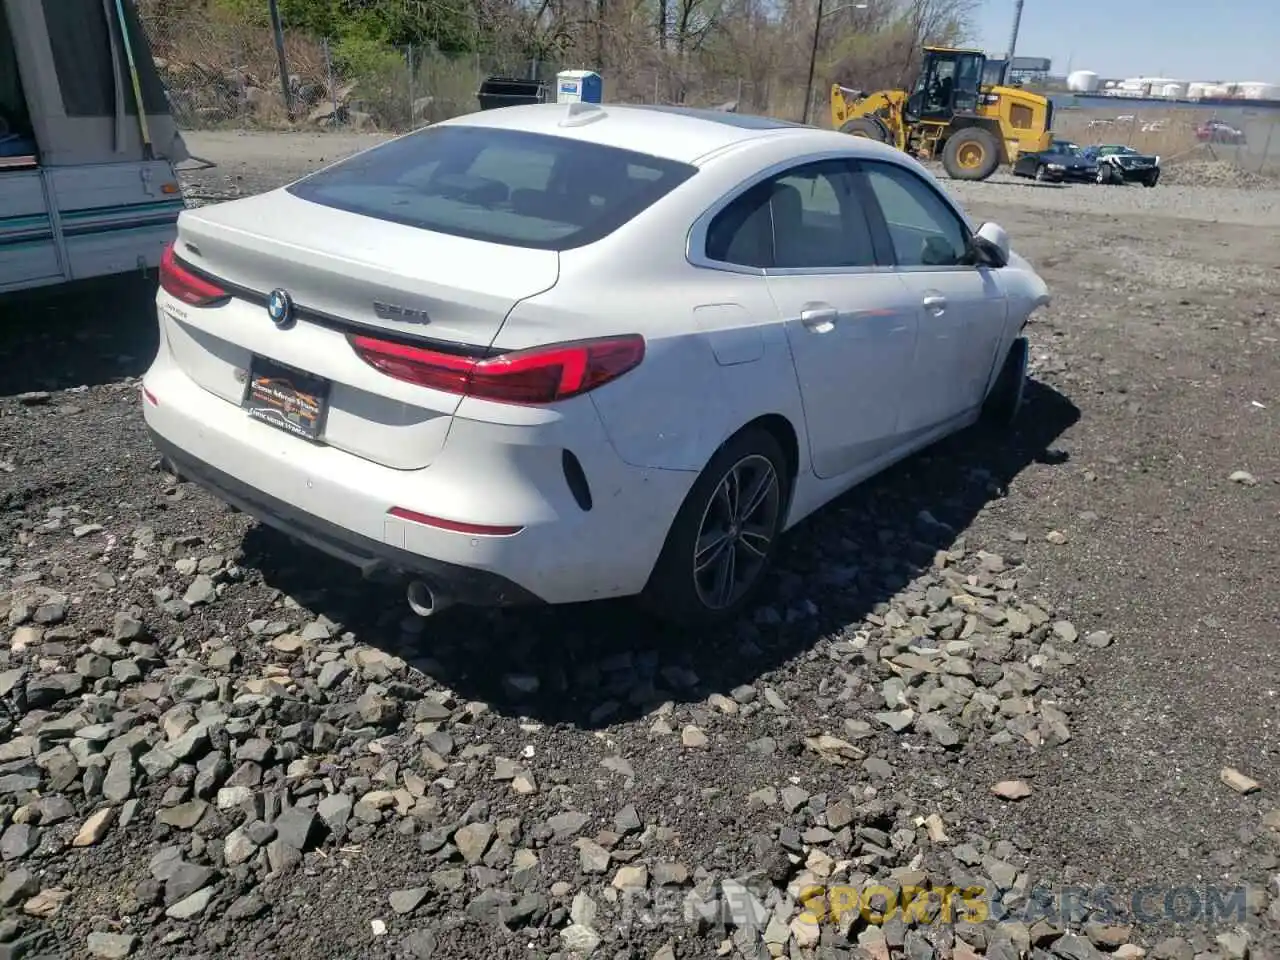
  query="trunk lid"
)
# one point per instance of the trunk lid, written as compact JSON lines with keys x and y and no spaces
{"x":345,"y":273}
{"x":342,"y":264}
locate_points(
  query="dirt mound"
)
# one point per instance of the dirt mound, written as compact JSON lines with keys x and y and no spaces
{"x":1201,"y":168}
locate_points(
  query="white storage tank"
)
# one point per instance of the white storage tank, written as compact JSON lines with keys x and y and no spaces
{"x":1255,"y":90}
{"x":1196,"y":91}
{"x":1082,"y":81}
{"x":1174,"y":91}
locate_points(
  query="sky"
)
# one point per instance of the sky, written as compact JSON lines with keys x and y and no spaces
{"x":1214,"y":40}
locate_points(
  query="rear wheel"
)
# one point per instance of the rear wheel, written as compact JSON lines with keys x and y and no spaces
{"x":724,"y":538}
{"x":971,"y":154}
{"x":870,"y":128}
{"x":1042,"y":173}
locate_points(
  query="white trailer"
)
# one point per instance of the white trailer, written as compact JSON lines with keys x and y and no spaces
{"x":87,"y":144}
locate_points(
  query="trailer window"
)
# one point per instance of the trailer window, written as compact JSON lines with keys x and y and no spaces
{"x":15,"y":122}
{"x":80,"y":36}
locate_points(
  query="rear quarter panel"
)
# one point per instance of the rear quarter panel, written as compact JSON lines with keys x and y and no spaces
{"x":715,"y":357}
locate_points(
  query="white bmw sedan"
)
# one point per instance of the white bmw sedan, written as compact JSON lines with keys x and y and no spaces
{"x":558,"y":353}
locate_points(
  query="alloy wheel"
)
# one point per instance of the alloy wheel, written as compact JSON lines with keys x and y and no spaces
{"x":736,"y":534}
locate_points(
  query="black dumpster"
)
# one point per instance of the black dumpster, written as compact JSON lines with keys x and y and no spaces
{"x":510,"y":92}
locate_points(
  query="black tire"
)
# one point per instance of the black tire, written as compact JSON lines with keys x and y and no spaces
{"x":1151,"y":179}
{"x":674,"y":591}
{"x":1042,"y":175}
{"x":1003,"y":403}
{"x":1103,"y":176}
{"x":971,"y":154}
{"x":871,"y":128}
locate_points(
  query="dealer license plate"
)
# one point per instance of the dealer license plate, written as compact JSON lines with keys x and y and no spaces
{"x":288,"y":399}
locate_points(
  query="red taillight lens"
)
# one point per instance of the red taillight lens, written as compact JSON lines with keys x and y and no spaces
{"x":538,"y":375}
{"x":177,"y":281}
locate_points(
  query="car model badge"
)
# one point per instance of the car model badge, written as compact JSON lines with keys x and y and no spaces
{"x":394,"y":311}
{"x":280,"y":308}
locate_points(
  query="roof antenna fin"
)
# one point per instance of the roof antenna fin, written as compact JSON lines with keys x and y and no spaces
{"x":580,"y":113}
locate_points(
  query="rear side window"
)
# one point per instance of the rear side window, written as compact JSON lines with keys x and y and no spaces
{"x":504,"y":186}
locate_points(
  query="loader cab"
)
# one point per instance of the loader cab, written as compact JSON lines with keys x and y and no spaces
{"x":994,"y":72}
{"x":950,"y":83}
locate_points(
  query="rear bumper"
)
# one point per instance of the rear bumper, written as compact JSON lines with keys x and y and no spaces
{"x":374,"y":560}
{"x":487,"y":473}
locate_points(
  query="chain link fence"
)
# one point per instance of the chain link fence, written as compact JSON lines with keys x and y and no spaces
{"x":224,"y":74}
{"x":1246,"y":138}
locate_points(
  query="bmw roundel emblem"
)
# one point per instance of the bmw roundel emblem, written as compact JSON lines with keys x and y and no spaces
{"x":280,"y":308}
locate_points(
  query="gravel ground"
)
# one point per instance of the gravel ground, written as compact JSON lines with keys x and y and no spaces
{"x":1043,"y":668}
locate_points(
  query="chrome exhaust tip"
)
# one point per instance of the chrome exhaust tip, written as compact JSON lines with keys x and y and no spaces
{"x":424,"y":601}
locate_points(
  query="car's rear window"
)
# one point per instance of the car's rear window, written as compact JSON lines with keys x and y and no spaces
{"x":504,"y":186}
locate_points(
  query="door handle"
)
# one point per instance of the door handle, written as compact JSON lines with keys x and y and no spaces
{"x":819,"y":320}
{"x":935,"y":304}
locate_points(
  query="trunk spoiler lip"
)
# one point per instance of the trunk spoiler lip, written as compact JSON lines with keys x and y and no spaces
{"x":339,"y":324}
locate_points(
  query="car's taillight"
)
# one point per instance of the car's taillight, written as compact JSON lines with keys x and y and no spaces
{"x":537,"y":375}
{"x":177,"y":281}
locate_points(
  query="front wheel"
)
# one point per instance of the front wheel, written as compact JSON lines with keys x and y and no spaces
{"x":1003,"y":403}
{"x":1152,"y":180}
{"x":1042,"y":174}
{"x":724,"y":537}
{"x":971,"y":154}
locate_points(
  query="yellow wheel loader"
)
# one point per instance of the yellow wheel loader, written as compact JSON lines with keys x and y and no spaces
{"x":960,"y":112}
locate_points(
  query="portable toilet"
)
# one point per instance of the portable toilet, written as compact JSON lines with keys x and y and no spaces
{"x":578,"y":86}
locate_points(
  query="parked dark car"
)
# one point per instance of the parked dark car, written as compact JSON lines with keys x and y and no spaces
{"x":1062,"y":161}
{"x":1120,"y":164}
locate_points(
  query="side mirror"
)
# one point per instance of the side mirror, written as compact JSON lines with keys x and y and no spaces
{"x":991,"y":243}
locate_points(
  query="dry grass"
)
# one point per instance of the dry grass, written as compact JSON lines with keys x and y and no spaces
{"x":1166,"y":133}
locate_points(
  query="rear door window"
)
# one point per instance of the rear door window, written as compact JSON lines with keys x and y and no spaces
{"x":806,"y":218}
{"x":503,"y":186}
